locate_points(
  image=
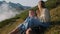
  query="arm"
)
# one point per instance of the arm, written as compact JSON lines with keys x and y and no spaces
{"x":47,"y":15}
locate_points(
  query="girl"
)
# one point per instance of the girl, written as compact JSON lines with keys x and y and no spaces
{"x":44,"y":13}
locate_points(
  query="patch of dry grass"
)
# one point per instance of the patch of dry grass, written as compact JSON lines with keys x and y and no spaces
{"x":53,"y":30}
{"x":55,"y":16}
{"x":9,"y":28}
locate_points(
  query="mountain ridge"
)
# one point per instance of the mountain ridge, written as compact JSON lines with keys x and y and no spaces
{"x":15,"y":5}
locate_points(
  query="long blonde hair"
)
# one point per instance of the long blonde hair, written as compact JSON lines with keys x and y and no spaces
{"x":40,"y":8}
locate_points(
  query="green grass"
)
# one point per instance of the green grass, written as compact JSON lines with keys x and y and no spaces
{"x":8,"y":28}
{"x":55,"y":18}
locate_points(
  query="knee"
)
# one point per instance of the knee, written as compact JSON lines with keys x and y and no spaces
{"x":28,"y":31}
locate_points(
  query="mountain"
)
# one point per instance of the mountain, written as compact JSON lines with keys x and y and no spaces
{"x":15,"y":5}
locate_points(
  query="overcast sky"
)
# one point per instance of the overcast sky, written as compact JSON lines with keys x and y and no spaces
{"x":31,"y":3}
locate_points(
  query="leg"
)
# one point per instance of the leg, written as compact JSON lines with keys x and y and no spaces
{"x":28,"y":31}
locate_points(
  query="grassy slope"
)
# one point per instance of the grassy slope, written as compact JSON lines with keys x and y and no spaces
{"x":9,"y":28}
{"x":54,"y":29}
{"x":55,"y":14}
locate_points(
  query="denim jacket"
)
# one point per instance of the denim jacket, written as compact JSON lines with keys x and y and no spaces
{"x":26,"y":24}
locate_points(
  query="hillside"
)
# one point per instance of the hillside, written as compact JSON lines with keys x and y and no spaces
{"x":55,"y":17}
{"x":55,"y":14}
{"x":54,"y":8}
{"x":54,"y":28}
{"x":8,"y":28}
{"x":10,"y":24}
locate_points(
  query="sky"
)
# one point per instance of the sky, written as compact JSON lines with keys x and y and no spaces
{"x":31,"y":3}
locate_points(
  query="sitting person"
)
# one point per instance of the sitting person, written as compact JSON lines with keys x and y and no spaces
{"x":24,"y":26}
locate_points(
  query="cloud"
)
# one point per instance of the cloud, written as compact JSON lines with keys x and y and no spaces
{"x":31,"y":3}
{"x":6,"y":12}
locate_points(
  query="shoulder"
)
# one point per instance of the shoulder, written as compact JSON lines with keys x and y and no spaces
{"x":45,"y":9}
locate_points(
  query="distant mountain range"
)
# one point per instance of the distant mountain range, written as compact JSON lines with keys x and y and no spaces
{"x":15,"y":5}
